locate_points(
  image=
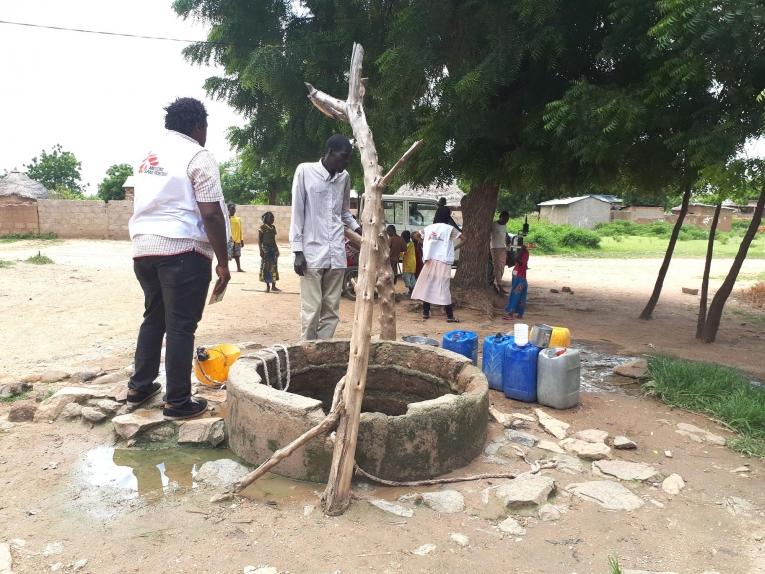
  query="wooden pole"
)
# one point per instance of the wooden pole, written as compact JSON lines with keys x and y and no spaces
{"x":385,"y":288}
{"x":337,"y":495}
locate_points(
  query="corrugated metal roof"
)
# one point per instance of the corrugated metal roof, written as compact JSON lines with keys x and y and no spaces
{"x":17,"y":183}
{"x":570,"y":200}
{"x":129,"y":182}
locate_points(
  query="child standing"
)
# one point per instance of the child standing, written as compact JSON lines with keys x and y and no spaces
{"x":410,"y":262}
{"x":236,"y":242}
{"x":269,"y":253}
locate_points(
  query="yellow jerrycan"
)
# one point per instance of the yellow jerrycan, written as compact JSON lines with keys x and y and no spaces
{"x":560,"y":337}
{"x":211,"y":364}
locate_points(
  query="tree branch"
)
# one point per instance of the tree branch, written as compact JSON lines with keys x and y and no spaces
{"x":404,"y":158}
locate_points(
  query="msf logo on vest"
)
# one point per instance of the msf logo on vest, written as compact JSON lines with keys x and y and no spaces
{"x":150,"y":166}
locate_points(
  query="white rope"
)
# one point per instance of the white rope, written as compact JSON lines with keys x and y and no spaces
{"x":265,"y":368}
{"x":270,"y":351}
{"x":286,"y":360}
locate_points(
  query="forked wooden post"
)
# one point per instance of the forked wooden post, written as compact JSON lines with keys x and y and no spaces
{"x":337,"y":495}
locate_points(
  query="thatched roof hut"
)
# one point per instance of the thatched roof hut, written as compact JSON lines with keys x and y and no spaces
{"x":21,"y":186}
{"x":451,"y":192}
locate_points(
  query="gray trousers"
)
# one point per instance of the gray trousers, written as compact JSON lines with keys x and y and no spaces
{"x":320,"y":291}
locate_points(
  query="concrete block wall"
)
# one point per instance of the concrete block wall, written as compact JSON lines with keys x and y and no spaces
{"x":73,"y":218}
{"x":118,"y":213}
{"x":251,"y":214}
{"x":18,"y":217}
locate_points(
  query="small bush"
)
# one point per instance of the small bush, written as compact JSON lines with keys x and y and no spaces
{"x":689,"y":232}
{"x":739,"y":226}
{"x":39,"y":259}
{"x":544,"y":238}
{"x":574,"y":237}
{"x":5,"y":264}
{"x":26,"y":236}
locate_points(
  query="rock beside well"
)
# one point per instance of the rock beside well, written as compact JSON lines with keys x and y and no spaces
{"x":511,"y":526}
{"x":635,"y":369}
{"x":130,"y":425}
{"x":460,"y":539}
{"x":52,"y":407}
{"x":223,"y":473}
{"x":210,"y":431}
{"x":697,"y":434}
{"x":552,"y":425}
{"x":527,"y":492}
{"x":392,"y":508}
{"x":93,"y":415}
{"x":673,"y":484}
{"x":53,"y":376}
{"x":520,"y":437}
{"x":586,"y":450}
{"x":624,"y":470}
{"x":22,"y":411}
{"x":14,"y":389}
{"x":592,"y":435}
{"x":624,"y":443}
{"x":606,"y":493}
{"x":444,"y":501}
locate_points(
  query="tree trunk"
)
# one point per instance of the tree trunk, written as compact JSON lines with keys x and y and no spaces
{"x":707,"y":267}
{"x":477,"y":216}
{"x":714,"y":315}
{"x":385,"y":289}
{"x":651,"y":305}
{"x":273,"y":191}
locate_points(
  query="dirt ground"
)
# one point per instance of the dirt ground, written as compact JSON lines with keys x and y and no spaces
{"x":85,"y":311}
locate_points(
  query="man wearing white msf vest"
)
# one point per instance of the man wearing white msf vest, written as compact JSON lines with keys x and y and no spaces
{"x":179,"y":222}
{"x":321,"y":200}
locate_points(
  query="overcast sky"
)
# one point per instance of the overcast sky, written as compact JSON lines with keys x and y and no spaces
{"x":100,"y":97}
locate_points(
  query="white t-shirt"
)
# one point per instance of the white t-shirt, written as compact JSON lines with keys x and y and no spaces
{"x":498,"y":232}
{"x":438,"y":242}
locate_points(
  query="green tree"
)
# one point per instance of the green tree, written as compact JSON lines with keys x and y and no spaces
{"x":111,"y":186}
{"x":240,"y":185}
{"x":57,"y":169}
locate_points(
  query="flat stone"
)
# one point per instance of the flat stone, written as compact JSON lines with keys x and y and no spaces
{"x":520,"y":437}
{"x":85,"y":375}
{"x":425,"y":549}
{"x":697,"y":434}
{"x":80,"y":564}
{"x":634,"y":369}
{"x":552,"y":425}
{"x":93,"y":414}
{"x":523,"y":417}
{"x":53,"y":376}
{"x":132,"y":424}
{"x":624,"y":443}
{"x":71,"y":411}
{"x":511,"y":526}
{"x":6,"y":560}
{"x":549,"y":513}
{"x":586,"y":450}
{"x":592,"y":435}
{"x":14,"y":389}
{"x":119,"y":392}
{"x":550,"y":446}
{"x":51,"y":408}
{"x":110,"y":378}
{"x":223,"y":473}
{"x":444,"y":501}
{"x":32,"y":378}
{"x":567,"y":463}
{"x":736,"y":505}
{"x":528,"y":491}
{"x":211,"y":430}
{"x":53,"y":549}
{"x":22,"y":411}
{"x":460,"y":539}
{"x":606,"y":493}
{"x":624,"y":470}
{"x":673,"y":484}
{"x":392,"y":508}
{"x":108,"y":406}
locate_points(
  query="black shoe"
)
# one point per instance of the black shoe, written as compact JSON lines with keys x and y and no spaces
{"x":190,"y":409}
{"x":135,"y":398}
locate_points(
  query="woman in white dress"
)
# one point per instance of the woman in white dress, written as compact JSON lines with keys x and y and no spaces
{"x":432,"y":288}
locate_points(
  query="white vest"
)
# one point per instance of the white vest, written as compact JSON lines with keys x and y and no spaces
{"x":437,"y":243}
{"x":164,"y":202}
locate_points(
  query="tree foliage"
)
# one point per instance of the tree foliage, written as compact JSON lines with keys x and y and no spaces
{"x":57,"y":170}
{"x":111,"y":186}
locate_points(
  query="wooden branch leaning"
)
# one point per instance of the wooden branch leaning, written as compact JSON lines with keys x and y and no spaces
{"x":431,"y":481}
{"x":385,"y":289}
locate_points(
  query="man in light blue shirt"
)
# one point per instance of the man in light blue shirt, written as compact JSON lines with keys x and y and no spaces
{"x":321,"y":199}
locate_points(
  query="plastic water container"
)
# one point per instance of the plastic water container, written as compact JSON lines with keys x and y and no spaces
{"x":558,"y":377}
{"x":519,"y":380}
{"x":521,"y":334}
{"x":494,"y":347}
{"x":462,"y":342}
{"x":561,"y":337}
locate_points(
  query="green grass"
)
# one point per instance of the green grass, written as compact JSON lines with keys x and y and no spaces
{"x":639,"y":246}
{"x":5,"y":264}
{"x":721,"y":392}
{"x":613,"y":565}
{"x":756,"y":319}
{"x":39,"y":259}
{"x":13,"y":399}
{"x":26,"y":236}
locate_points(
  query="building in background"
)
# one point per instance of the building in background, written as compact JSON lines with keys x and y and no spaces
{"x":585,"y":211}
{"x":18,"y":203}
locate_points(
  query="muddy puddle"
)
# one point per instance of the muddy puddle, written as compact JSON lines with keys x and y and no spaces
{"x":598,"y":370}
{"x":112,"y":480}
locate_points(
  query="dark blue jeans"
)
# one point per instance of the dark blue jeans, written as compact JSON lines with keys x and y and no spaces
{"x":175,"y":290}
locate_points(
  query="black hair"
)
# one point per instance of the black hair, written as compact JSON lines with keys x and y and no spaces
{"x":185,"y":115}
{"x":391,"y":229}
{"x":406,"y":235}
{"x":265,"y":215}
{"x":441,"y":201}
{"x":338,"y":143}
{"x":504,"y":214}
{"x":443,"y":215}
{"x":230,"y":205}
